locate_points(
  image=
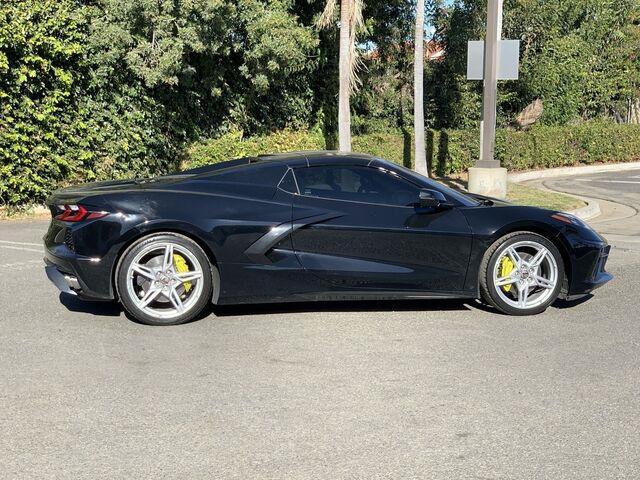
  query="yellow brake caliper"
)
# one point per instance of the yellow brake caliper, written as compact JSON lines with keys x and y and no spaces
{"x":181,"y":267}
{"x":506,"y":267}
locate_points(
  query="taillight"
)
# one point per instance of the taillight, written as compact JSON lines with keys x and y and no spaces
{"x":77,"y":213}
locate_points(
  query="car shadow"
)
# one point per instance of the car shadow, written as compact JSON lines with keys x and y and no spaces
{"x":75,"y":304}
{"x":562,"y":304}
{"x":114,"y":309}
{"x":345,"y":306}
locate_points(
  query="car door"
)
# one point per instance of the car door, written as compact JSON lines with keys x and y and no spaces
{"x":357,"y":226}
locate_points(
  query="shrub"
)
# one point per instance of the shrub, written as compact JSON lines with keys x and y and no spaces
{"x":232,"y":145}
{"x":40,"y":47}
{"x":451,"y":151}
{"x":55,"y":128}
{"x":395,"y":147}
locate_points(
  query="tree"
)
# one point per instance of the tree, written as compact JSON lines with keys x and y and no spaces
{"x":576,"y":57}
{"x":350,"y":20}
{"x":420,"y":155}
{"x":384,"y":102}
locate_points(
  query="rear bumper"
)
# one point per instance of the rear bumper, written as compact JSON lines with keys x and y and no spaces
{"x":88,"y":278}
{"x":64,"y":282}
{"x":83,"y":255}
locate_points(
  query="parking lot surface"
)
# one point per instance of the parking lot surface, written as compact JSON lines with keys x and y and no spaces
{"x":360,"y":390}
{"x":620,"y":221}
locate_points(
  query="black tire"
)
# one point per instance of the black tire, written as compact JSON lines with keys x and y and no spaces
{"x":495,"y":252}
{"x":129,"y":255}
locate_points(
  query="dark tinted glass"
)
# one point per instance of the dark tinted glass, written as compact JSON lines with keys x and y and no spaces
{"x":267,"y":174}
{"x":361,"y":184}
{"x":456,"y":195}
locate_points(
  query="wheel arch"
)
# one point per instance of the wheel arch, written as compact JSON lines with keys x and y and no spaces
{"x":156,"y":229}
{"x":551,"y":234}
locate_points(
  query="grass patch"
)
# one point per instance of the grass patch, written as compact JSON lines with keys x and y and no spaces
{"x":527,"y":195}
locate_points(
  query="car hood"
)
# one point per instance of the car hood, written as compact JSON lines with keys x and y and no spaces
{"x":486,"y":200}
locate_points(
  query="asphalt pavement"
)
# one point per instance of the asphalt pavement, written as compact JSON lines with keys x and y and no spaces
{"x":619,"y":195}
{"x":435,"y":389}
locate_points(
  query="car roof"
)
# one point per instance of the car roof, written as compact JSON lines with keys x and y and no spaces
{"x":291,"y":159}
{"x":313,"y":157}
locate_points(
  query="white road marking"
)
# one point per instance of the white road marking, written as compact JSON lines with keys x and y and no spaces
{"x":8,"y":242}
{"x":24,"y":249}
{"x":591,"y":180}
{"x":21,"y":265}
{"x":620,"y":181}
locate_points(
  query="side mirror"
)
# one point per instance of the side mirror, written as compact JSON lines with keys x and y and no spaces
{"x":432,"y":199}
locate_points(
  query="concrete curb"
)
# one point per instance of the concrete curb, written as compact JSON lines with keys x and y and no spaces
{"x":518,"y":177}
{"x":590,"y":211}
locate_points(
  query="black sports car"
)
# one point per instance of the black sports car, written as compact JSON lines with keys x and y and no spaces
{"x":310,"y":226}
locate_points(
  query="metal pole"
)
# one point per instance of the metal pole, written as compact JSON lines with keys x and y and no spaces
{"x":489,"y":98}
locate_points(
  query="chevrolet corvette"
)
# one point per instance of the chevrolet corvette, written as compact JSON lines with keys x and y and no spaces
{"x":310,"y":226}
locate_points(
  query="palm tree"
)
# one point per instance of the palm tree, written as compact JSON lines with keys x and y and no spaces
{"x":350,"y":21}
{"x":418,"y":92}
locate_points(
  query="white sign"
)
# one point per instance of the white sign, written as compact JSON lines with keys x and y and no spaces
{"x":508,"y":60}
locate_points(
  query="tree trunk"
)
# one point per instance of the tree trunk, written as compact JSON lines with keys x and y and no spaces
{"x":344,"y":111}
{"x":418,"y":92}
{"x":634,"y":112}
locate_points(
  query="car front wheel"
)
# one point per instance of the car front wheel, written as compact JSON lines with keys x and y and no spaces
{"x":164,"y":279}
{"x":521,"y":274}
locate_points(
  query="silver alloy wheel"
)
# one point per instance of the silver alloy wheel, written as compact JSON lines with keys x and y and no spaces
{"x":155,"y":285}
{"x":534,"y":278}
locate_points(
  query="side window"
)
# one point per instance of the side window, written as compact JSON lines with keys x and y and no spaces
{"x":288,"y":183}
{"x":361,"y":184}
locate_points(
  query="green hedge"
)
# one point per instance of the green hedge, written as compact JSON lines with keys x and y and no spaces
{"x":55,"y":128}
{"x":450,"y":151}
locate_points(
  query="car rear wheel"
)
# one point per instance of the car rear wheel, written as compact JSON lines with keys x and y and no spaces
{"x":164,"y":279}
{"x":521,"y":274}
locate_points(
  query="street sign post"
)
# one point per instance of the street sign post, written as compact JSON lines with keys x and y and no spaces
{"x":499,"y":60}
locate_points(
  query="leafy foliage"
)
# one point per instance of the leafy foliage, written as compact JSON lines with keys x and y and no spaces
{"x":95,"y":89}
{"x":41,"y":47}
{"x":232,"y":145}
{"x":113,"y":88}
{"x":450,"y":151}
{"x":578,"y":57}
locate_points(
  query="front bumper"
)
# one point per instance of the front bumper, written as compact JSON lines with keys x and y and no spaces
{"x":589,"y":272}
